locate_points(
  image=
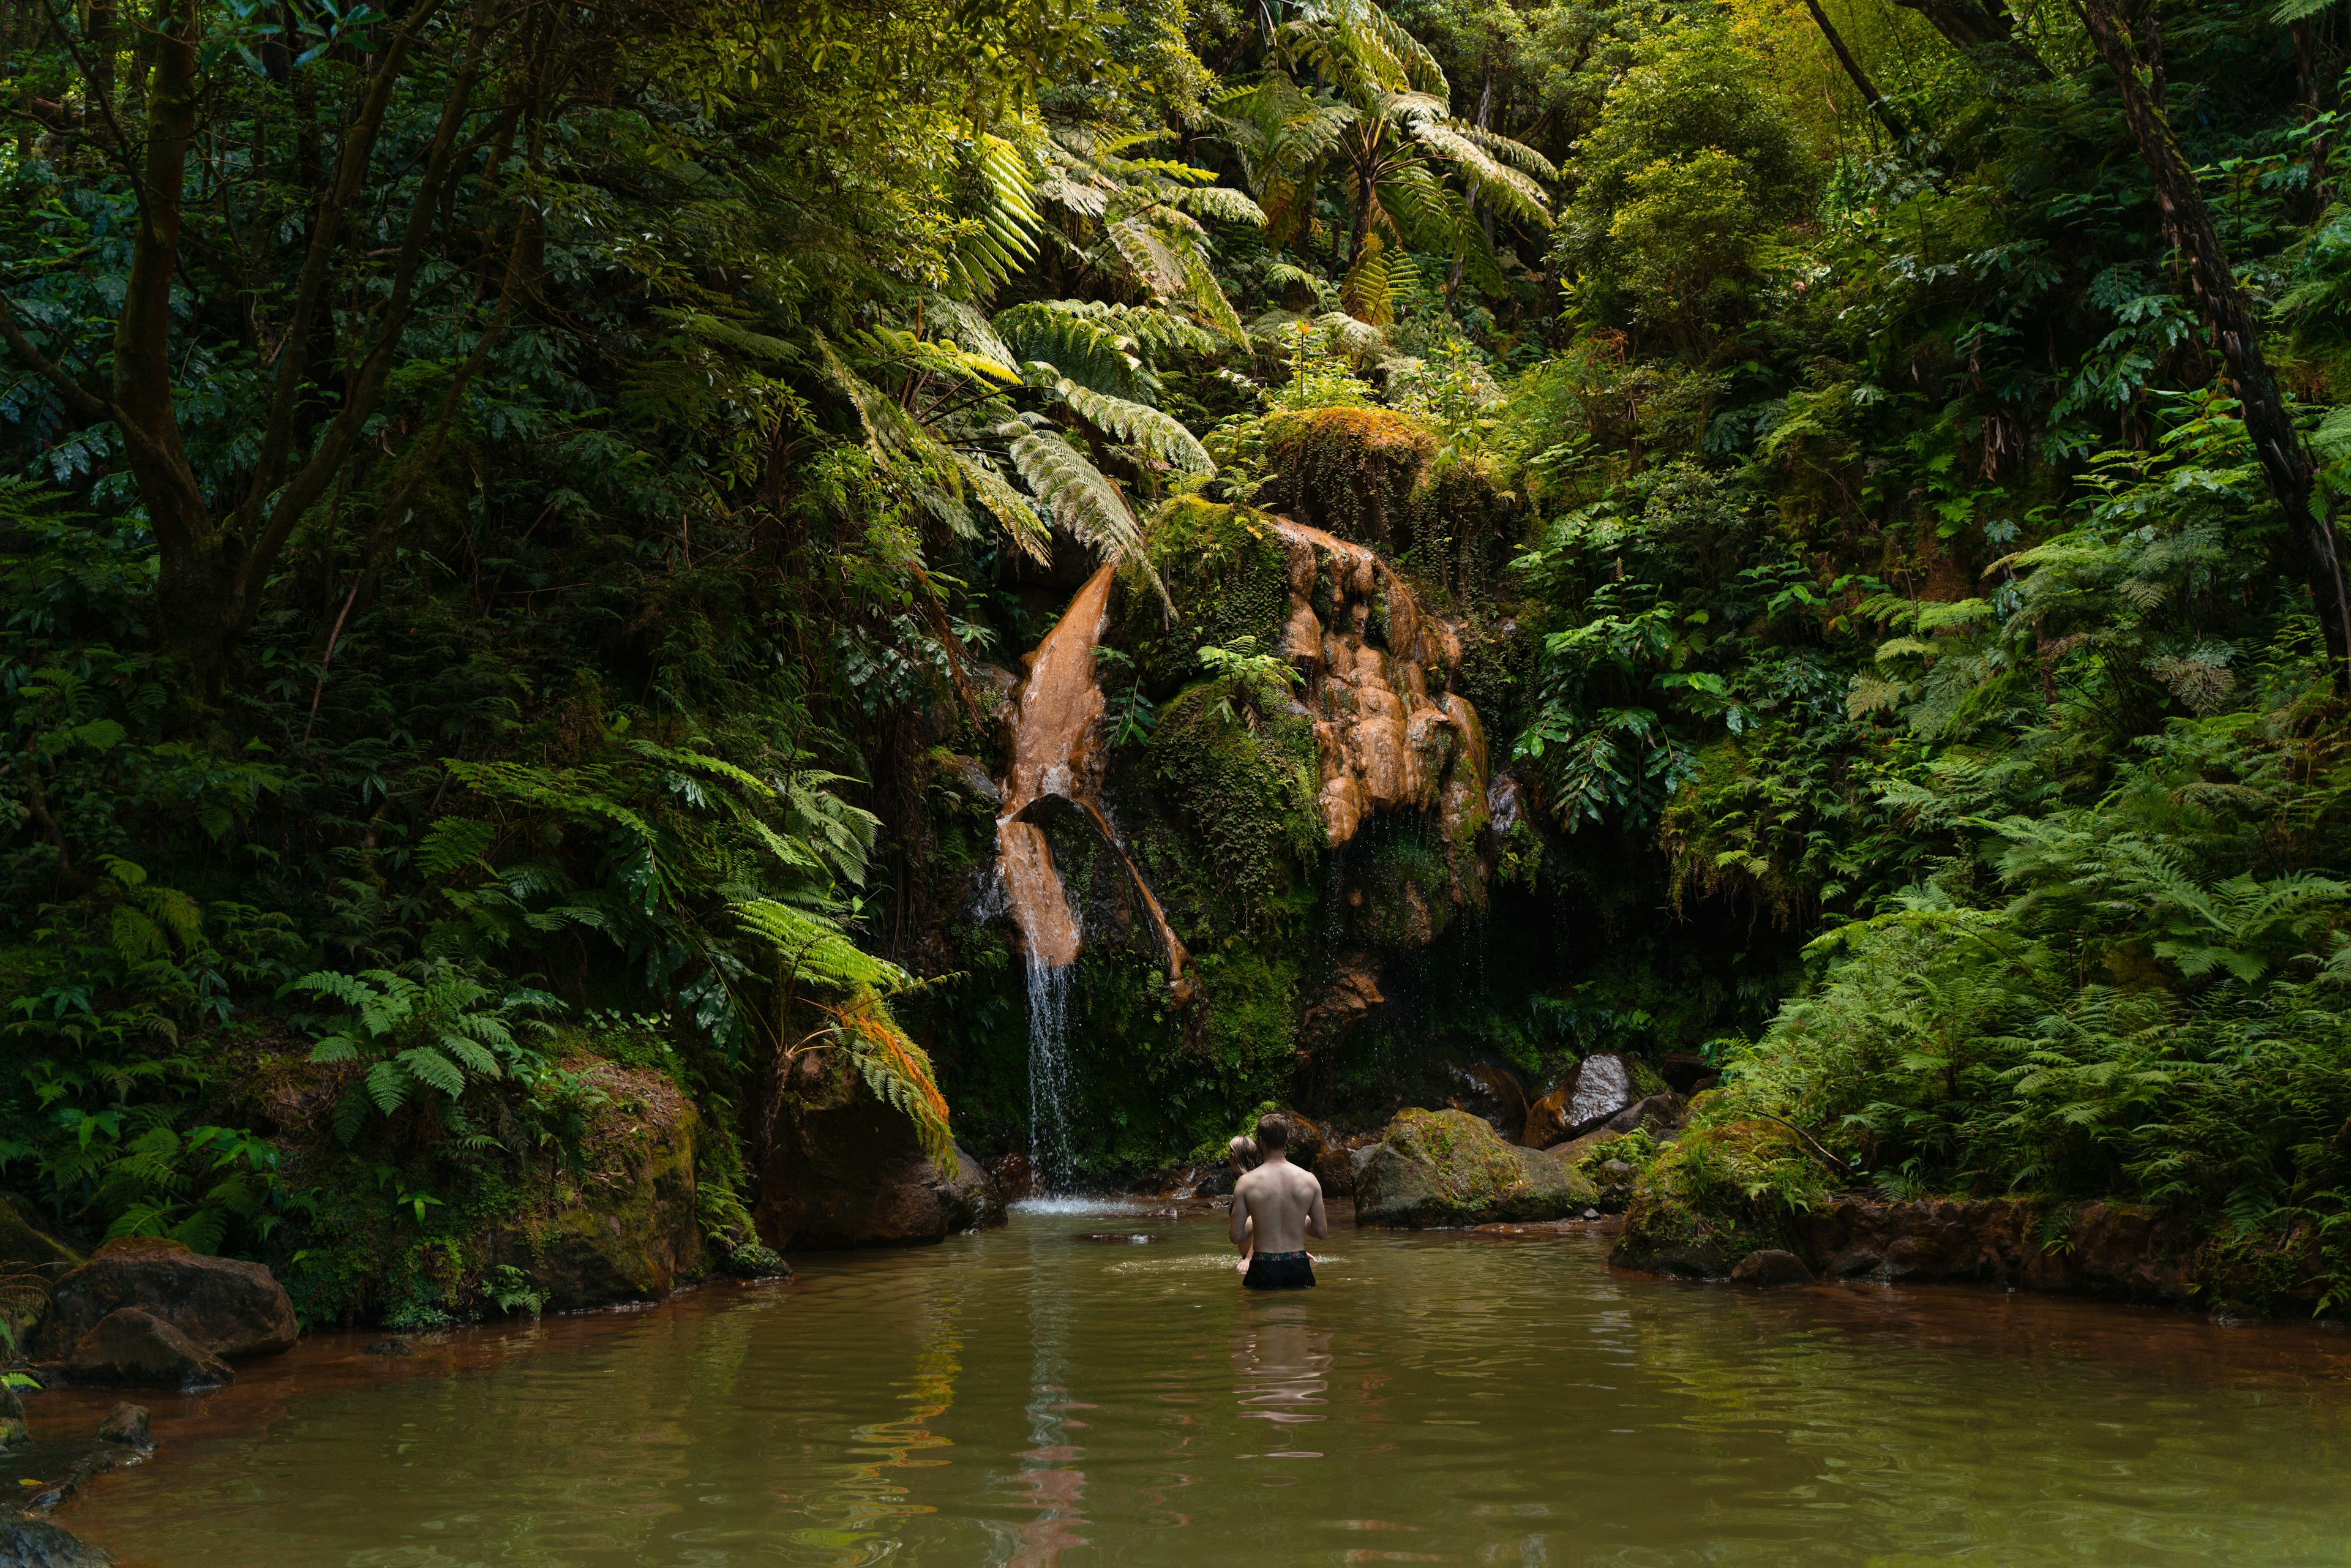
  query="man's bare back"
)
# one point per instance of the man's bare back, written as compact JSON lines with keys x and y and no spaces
{"x":1275,"y":1209}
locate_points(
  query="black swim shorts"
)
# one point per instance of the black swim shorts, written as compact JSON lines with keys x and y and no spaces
{"x":1280,"y":1272}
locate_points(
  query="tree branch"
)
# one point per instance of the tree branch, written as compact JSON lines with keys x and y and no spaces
{"x":2212,"y":283}
{"x":318,"y":264}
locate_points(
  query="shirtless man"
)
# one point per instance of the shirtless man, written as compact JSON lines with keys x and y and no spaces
{"x":1275,"y":1209}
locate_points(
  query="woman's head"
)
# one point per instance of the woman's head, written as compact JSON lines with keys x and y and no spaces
{"x":1242,"y":1152}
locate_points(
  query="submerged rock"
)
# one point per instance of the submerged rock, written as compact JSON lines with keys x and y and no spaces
{"x":1596,"y":1091}
{"x":226,"y":1307}
{"x":36,"y":1544}
{"x":2106,"y":1249}
{"x":1448,"y":1168}
{"x":1770,"y":1267}
{"x":130,"y":1348}
{"x":126,"y":1424}
{"x":13,"y":1431}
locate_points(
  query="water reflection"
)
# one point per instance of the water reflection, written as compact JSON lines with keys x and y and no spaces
{"x":1282,"y":1374}
{"x":1022,"y":1398}
{"x":1051,"y":1482}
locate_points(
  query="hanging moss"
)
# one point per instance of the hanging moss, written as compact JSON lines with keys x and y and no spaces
{"x":1349,"y":471}
{"x":1241,"y":771}
{"x":1228,"y":573}
{"x":1378,"y":478}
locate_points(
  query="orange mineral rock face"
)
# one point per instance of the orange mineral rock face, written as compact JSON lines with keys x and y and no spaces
{"x":1056,"y":721}
{"x":1393,"y":735}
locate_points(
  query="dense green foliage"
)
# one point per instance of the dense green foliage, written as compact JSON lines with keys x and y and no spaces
{"x":516,"y":522}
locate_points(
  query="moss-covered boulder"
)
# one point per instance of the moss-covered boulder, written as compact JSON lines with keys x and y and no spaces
{"x":1348,"y":471}
{"x":1225,"y":572}
{"x":630,"y":1231}
{"x":1717,"y":1194}
{"x":1448,"y":1168}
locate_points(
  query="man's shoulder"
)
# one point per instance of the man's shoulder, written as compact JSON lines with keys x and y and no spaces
{"x":1304,"y":1180}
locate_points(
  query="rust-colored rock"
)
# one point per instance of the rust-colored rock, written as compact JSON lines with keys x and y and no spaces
{"x":1391,"y":735}
{"x":129,"y":1348}
{"x":1054,"y":738}
{"x":1354,"y":992}
{"x":227,"y":1308}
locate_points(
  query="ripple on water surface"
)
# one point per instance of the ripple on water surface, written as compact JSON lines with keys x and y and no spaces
{"x":1023,"y":1397}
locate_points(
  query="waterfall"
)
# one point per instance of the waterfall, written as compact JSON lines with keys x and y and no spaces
{"x":1049,"y":1153}
{"x":1055,"y":751}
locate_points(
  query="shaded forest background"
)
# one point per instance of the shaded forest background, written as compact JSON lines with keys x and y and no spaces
{"x":517,"y":520}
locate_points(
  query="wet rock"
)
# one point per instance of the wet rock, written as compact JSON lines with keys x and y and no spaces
{"x":1683,"y":1071}
{"x":13,"y":1431}
{"x":1658,"y":1113}
{"x":1770,"y":1267}
{"x":227,"y":1308}
{"x":1599,"y":1087}
{"x":847,"y":1171}
{"x":1388,"y":734}
{"x":627,"y":1228}
{"x":1448,"y":1168}
{"x":126,"y":1424}
{"x":2115,"y":1249}
{"x":1352,"y":993}
{"x":1575,"y":1149}
{"x":36,"y":1544}
{"x":1014,"y":1177}
{"x":397,"y":1345}
{"x":1492,"y":1095}
{"x":965,"y":774}
{"x":130,"y":1348}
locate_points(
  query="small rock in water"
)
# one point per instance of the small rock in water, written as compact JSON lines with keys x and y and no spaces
{"x":1590,"y":1214}
{"x":135,"y":1349}
{"x":1770,"y":1267}
{"x":398,"y":1344}
{"x":126,"y":1423}
{"x":35,"y":1543}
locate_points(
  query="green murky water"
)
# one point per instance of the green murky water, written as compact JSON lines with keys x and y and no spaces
{"x":1026,"y":1398}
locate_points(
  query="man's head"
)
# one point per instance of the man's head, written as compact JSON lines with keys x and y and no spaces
{"x":1273,"y":1135}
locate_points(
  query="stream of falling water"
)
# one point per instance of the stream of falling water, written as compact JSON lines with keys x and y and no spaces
{"x":1050,"y":1155}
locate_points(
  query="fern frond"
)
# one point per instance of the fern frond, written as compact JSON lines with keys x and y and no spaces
{"x":898,"y":1072}
{"x":1085,"y":500}
{"x":1161,"y":434}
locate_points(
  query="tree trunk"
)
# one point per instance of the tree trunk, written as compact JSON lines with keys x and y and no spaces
{"x":1979,"y":28}
{"x":1869,"y":93}
{"x":2213,"y":284}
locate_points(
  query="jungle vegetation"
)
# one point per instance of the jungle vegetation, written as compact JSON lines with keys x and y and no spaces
{"x":509,"y":512}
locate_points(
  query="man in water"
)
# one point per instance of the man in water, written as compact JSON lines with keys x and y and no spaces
{"x":1275,"y":1209}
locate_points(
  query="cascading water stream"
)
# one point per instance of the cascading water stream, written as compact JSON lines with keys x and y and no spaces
{"x":1056,"y":717}
{"x":1051,"y":1157}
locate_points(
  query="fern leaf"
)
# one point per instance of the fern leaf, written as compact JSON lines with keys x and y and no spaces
{"x":1083,"y":498}
{"x":433,"y":1070}
{"x":1161,"y":434}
